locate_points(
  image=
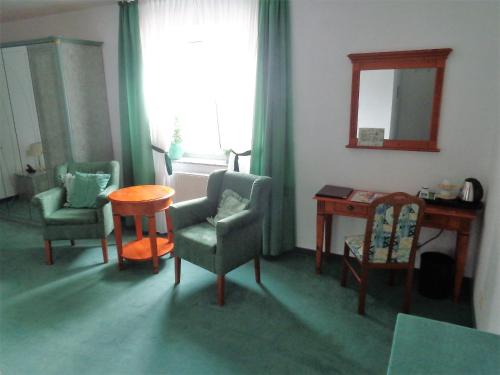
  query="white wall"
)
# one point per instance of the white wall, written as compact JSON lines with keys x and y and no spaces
{"x":323,"y":34}
{"x":487,"y":279}
{"x":98,"y":23}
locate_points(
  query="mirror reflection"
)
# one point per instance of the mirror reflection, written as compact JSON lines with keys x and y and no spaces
{"x":398,"y":101}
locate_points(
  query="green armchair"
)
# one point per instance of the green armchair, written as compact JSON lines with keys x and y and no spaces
{"x":65,"y":223}
{"x":234,"y":240}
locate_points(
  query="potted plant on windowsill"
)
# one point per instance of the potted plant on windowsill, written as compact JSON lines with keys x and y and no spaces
{"x":175,"y":152}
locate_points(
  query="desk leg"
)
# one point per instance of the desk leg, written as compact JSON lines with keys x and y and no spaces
{"x":320,"y":231}
{"x":152,"y":240}
{"x":460,"y":259}
{"x":328,"y":236}
{"x":118,"y":238}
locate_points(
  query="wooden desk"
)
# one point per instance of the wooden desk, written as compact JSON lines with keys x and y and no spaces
{"x":440,"y":217}
{"x":138,"y":201}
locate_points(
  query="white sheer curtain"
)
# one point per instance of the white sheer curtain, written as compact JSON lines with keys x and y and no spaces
{"x":199,"y":61}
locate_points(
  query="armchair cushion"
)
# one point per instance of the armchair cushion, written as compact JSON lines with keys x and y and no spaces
{"x":197,"y":244}
{"x":69,"y":216}
{"x":86,"y":188}
{"x":230,"y":204}
{"x":201,"y":236}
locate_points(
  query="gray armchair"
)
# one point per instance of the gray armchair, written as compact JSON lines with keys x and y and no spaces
{"x":234,"y":240}
{"x":65,"y":223}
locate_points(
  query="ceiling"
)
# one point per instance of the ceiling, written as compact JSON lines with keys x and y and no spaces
{"x":11,"y":10}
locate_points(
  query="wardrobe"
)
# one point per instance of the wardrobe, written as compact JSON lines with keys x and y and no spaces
{"x":52,"y":91}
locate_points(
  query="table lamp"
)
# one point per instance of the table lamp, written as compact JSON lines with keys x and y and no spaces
{"x":36,"y":150}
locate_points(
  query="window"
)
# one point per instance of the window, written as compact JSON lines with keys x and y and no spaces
{"x":199,"y":72}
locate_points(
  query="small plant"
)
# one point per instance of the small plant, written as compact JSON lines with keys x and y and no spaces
{"x":176,"y":137}
{"x":175,"y":151}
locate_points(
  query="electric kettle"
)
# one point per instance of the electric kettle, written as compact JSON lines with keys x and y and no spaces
{"x":471,"y":191}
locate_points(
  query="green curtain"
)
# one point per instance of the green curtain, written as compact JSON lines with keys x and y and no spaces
{"x":137,"y":156}
{"x":272,"y":143}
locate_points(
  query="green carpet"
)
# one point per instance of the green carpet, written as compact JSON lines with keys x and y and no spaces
{"x":80,"y":316}
{"x":19,"y":210}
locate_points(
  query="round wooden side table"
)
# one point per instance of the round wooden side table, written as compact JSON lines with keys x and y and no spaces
{"x":138,"y":201}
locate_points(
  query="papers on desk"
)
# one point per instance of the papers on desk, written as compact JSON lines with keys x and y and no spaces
{"x":366,"y":196}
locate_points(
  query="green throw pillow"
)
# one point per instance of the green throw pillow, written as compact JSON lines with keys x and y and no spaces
{"x":86,"y":188}
{"x":230,"y":203}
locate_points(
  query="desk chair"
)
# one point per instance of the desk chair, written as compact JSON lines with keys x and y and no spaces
{"x":389,"y":242}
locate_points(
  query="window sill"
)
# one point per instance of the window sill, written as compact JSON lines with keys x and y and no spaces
{"x":198,"y":166}
{"x":199,"y":161}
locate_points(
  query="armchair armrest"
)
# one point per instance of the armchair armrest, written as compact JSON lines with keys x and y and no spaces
{"x":102,"y":198}
{"x":236,"y":221}
{"x":191,"y":212}
{"x":49,"y":201}
{"x":239,"y":239}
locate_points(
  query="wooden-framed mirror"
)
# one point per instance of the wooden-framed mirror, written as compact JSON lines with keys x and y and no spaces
{"x":396,"y":99}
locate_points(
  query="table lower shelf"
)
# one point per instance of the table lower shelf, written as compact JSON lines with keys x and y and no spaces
{"x":140,"y":250}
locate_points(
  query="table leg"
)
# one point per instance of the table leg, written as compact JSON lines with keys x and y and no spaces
{"x":320,"y":231}
{"x":460,"y":259}
{"x":138,"y":226}
{"x":152,"y":240}
{"x":118,"y":238}
{"x":328,"y":236}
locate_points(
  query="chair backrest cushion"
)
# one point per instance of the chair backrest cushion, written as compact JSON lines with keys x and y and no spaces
{"x":403,"y":231}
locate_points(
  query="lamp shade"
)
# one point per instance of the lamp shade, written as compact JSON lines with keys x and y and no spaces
{"x":35,"y":149}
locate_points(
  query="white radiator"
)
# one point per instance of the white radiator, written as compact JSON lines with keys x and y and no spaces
{"x":189,"y":186}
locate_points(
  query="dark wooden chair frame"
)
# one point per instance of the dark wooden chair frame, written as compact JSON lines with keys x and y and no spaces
{"x":397,"y":201}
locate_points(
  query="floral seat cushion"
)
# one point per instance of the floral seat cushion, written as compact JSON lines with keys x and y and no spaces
{"x":355,"y":244}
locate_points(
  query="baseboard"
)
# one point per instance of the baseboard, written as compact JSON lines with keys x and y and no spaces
{"x":466,"y":283}
{"x":304,"y":250}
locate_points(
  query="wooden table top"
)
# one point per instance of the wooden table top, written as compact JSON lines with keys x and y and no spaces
{"x":141,"y":194}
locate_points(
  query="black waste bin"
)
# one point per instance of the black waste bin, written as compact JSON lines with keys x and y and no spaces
{"x":436,"y":275}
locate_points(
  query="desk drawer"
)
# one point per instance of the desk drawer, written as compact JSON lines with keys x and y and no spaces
{"x":348,"y":209}
{"x":435,"y":221}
